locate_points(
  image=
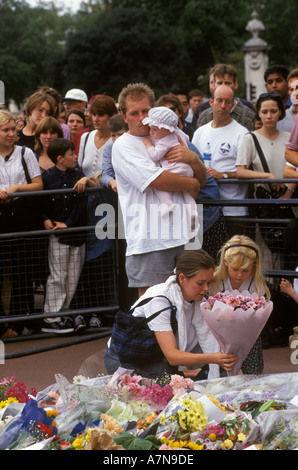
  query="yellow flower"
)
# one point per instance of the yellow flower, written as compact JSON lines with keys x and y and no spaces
{"x":186,"y":402}
{"x":241,"y":437}
{"x":52,"y":413}
{"x":78,"y":443}
{"x":227,"y":444}
{"x":9,"y":400}
{"x":212,"y":436}
{"x":216,"y":402}
{"x":162,"y":419}
{"x":194,"y":446}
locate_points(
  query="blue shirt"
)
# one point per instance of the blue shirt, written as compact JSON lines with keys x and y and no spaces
{"x":208,"y":192}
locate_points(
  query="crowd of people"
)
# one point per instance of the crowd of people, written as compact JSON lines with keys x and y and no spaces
{"x":159,"y":158}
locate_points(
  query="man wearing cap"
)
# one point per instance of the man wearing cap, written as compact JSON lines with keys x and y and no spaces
{"x":75,"y":99}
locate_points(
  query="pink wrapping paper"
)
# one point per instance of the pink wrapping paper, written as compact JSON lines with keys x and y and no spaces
{"x":236,"y":331}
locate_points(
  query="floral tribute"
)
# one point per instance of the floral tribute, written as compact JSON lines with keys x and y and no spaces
{"x":236,"y":321}
{"x":128,"y":412}
{"x":237,"y":301}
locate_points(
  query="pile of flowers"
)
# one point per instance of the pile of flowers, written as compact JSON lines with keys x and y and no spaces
{"x":236,"y":301}
{"x":128,"y":412}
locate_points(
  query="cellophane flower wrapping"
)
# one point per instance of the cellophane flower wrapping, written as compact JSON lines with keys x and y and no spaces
{"x":236,"y":321}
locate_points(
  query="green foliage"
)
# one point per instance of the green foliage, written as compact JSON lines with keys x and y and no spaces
{"x":120,"y":46}
{"x":131,"y":442}
{"x":109,"y":43}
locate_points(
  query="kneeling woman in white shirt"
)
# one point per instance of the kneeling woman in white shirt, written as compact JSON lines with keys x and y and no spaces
{"x":192,"y":348}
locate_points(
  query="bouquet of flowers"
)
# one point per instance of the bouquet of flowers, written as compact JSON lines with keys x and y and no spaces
{"x":236,"y":320}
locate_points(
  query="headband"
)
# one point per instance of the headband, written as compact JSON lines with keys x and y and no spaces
{"x":244,"y":246}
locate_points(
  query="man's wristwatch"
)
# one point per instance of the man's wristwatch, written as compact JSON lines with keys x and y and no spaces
{"x":225,"y":175}
{"x":290,"y":189}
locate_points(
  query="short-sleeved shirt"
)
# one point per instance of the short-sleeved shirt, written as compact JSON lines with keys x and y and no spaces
{"x":12,"y":170}
{"x":163,"y":321}
{"x":274,"y":153}
{"x":145,"y":231}
{"x":292,"y":142}
{"x":225,"y":143}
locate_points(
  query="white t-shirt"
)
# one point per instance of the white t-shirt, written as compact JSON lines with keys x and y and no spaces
{"x":12,"y":170}
{"x":224,"y":143}
{"x":91,"y":159}
{"x":145,"y":229}
{"x":163,"y":321}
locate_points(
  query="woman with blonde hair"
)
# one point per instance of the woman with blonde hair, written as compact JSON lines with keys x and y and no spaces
{"x":240,"y":268}
{"x":19,"y":173}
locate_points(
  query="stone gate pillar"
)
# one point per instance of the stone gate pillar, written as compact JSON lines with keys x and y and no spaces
{"x":255,"y":59}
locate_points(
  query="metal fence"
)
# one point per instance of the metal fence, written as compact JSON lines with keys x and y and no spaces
{"x":97,"y":287}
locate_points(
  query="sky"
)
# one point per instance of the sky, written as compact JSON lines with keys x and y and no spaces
{"x":72,"y":4}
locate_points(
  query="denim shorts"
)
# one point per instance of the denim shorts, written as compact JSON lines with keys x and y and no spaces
{"x":149,"y":269}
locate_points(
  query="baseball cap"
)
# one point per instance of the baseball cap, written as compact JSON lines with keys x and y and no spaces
{"x":76,"y":95}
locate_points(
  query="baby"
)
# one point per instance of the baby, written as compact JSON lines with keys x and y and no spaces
{"x":164,"y":130}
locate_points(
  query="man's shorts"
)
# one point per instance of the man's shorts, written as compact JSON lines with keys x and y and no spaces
{"x":152,"y":268}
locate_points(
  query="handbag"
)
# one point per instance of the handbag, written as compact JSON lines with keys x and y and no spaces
{"x":273,"y":236}
{"x":132,"y":338}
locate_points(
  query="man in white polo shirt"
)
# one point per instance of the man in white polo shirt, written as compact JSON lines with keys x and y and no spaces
{"x":153,"y":245}
{"x":225,"y":136}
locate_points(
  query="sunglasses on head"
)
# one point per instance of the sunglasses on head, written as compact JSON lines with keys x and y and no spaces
{"x":269,"y":95}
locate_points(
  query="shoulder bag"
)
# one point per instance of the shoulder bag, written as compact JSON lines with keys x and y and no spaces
{"x":132,"y":338}
{"x":272,"y":235}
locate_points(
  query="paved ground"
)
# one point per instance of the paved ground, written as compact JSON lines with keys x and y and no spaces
{"x":38,"y":370}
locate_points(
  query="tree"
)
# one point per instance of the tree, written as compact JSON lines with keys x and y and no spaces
{"x":29,"y":36}
{"x":119,"y":46}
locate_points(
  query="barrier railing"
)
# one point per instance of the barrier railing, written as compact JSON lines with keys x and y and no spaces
{"x":98,"y":287}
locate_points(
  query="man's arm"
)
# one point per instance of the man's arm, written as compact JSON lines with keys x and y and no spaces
{"x":168,"y":181}
{"x":291,"y":156}
{"x":183,"y":154}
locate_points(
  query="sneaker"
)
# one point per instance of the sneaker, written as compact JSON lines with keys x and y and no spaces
{"x":94,"y":322}
{"x":79,"y":323}
{"x":63,"y":326}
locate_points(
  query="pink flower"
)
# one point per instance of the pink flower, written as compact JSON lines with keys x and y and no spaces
{"x":233,"y":302}
{"x":128,"y":379}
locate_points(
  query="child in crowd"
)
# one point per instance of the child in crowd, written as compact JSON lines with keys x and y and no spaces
{"x":240,"y":269}
{"x":66,"y":253}
{"x":117,"y":127}
{"x":164,"y":130}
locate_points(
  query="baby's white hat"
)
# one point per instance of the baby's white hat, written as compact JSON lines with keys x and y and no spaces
{"x":162,"y":117}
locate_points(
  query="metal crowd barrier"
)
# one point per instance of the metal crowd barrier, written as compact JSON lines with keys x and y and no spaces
{"x":104,"y":276}
{"x":97,"y":291}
